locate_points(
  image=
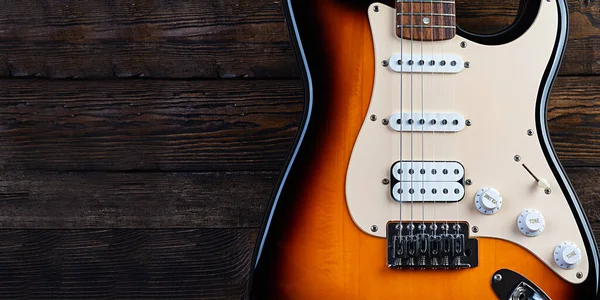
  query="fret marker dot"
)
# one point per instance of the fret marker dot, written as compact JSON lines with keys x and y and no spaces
{"x":426,"y":20}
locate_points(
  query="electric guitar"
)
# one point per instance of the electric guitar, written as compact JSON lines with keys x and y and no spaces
{"x":423,"y":167}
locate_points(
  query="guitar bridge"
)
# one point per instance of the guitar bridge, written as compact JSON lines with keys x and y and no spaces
{"x":429,"y":245}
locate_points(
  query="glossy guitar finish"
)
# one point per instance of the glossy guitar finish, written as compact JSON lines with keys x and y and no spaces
{"x":310,"y":247}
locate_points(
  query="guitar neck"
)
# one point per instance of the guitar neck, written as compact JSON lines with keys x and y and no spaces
{"x":426,"y":20}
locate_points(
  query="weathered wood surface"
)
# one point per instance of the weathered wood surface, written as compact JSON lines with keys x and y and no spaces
{"x":160,"y":39}
{"x":153,"y":141}
{"x":206,"y":39}
{"x":157,"y":125}
{"x":125,"y":263}
{"x":574,"y":120}
{"x":70,"y":200}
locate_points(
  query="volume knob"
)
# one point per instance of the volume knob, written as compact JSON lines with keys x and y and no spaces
{"x":488,"y":200}
{"x":567,"y":255}
{"x":531,"y":222}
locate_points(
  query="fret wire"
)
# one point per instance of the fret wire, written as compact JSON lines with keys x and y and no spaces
{"x":440,"y":15}
{"x":425,"y":26}
{"x":426,"y":14}
{"x":419,"y":1}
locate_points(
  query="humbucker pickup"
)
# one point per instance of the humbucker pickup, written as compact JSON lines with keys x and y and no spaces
{"x":427,"y":63}
{"x":428,"y":245}
{"x":428,"y":122}
{"x":428,"y":181}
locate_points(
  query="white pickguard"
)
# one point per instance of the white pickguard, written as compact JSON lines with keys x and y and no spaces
{"x":497,"y":93}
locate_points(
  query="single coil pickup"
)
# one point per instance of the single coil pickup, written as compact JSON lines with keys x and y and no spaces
{"x":409,"y":191}
{"x":447,"y":171}
{"x":426,"y":63}
{"x":430,"y":245}
{"x":427,"y":122}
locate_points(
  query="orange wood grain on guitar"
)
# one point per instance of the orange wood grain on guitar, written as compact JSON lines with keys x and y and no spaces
{"x":326,"y":256}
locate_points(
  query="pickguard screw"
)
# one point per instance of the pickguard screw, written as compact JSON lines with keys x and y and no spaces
{"x":529,"y":132}
{"x":548,"y":191}
{"x":497,"y":277}
{"x":374,"y":228}
{"x":468,"y":123}
{"x":463,"y":44}
{"x":579,"y":275}
{"x":385,"y":63}
{"x":468,"y":182}
{"x":475,"y":229}
{"x":385,"y":121}
{"x":517,"y":158}
{"x":385,"y":181}
{"x":376,"y":8}
{"x":373,"y":118}
{"x":467,"y":64}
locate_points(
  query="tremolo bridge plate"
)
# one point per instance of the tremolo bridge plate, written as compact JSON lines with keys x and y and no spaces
{"x":428,"y":245}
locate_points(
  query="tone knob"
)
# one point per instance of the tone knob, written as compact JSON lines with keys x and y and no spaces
{"x":567,"y":255}
{"x":531,"y":222}
{"x":488,"y":200}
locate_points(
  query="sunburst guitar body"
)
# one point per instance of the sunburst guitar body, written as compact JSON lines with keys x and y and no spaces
{"x":422,"y":167}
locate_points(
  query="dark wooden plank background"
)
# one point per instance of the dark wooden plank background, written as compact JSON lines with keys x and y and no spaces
{"x":123,"y":125}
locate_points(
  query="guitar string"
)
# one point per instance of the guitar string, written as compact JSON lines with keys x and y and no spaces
{"x":454,"y":144}
{"x":401,"y":169}
{"x":444,"y":131}
{"x":422,"y":122}
{"x":434,"y":226}
{"x":412,"y":121}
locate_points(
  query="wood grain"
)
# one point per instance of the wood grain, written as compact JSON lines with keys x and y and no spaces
{"x":125,"y":263}
{"x":159,"y":39}
{"x":147,"y":125}
{"x":585,"y":182}
{"x":65,"y":200}
{"x":411,"y":17}
{"x":574,"y":120}
{"x":205,"y":39}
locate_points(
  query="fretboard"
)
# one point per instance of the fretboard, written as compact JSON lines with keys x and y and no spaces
{"x":427,"y":20}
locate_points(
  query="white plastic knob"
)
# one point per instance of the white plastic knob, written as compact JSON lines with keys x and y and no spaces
{"x":567,"y":255}
{"x":531,"y":222}
{"x":488,"y":200}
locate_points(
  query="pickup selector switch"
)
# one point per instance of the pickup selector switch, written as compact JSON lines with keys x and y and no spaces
{"x":567,"y":255}
{"x":531,"y":222}
{"x":488,"y":200}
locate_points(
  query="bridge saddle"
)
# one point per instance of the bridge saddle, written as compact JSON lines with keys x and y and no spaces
{"x":428,"y":245}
